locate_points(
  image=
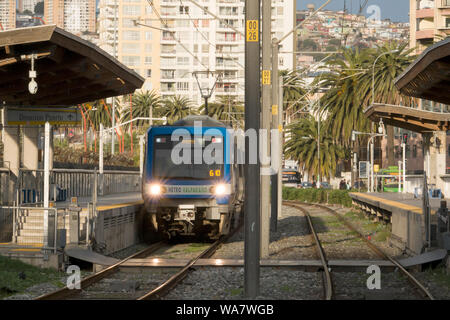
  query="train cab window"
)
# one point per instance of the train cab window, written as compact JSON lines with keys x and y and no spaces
{"x":165,"y":167}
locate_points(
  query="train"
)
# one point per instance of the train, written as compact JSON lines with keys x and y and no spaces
{"x":193,"y":183}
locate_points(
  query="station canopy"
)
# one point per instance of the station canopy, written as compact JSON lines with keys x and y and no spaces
{"x":429,"y":76}
{"x":70,"y":70}
{"x":416,"y":120}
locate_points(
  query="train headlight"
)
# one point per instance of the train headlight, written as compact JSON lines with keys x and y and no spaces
{"x":220,"y":190}
{"x":155,"y":189}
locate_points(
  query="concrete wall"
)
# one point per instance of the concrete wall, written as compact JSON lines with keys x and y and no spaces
{"x":408,"y":231}
{"x":413,"y":182}
{"x":118,"y":228}
{"x":407,"y":227}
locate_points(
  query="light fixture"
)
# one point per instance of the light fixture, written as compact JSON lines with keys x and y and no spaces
{"x":220,"y":189}
{"x":381,"y":127}
{"x":155,"y":189}
{"x":32,"y":86}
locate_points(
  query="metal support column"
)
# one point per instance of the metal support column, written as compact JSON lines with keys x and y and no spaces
{"x":266,"y":103}
{"x":404,"y":167}
{"x":46,"y":180}
{"x":141,"y":155}
{"x":371,"y":165}
{"x":252,"y":170}
{"x":100,"y":160}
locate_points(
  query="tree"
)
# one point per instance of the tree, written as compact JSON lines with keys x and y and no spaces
{"x":145,"y":105}
{"x":387,"y":68}
{"x":302,"y":146}
{"x":39,"y":8}
{"x":294,"y":94}
{"x":226,"y":109}
{"x":99,"y":112}
{"x":176,"y":108}
{"x":334,"y":42}
{"x":343,"y":100}
{"x":27,"y":12}
{"x":308,"y":44}
{"x":350,"y":83}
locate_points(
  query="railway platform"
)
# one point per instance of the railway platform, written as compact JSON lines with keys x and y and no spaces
{"x":77,"y":229}
{"x":404,"y":211}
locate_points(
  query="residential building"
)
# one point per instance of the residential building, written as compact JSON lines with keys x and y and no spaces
{"x":201,"y":42}
{"x":7,"y":14}
{"x":75,"y":16}
{"x":429,"y":22}
{"x":191,"y":40}
{"x":136,"y":46}
{"x":28,"y":5}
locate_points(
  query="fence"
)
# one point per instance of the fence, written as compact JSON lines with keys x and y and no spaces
{"x":46,"y":228}
{"x":66,"y":183}
{"x":26,"y":227}
{"x":6,"y":196}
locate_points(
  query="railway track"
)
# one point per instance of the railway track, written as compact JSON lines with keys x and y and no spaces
{"x":328,"y":285}
{"x":155,"y":293}
{"x":325,"y":270}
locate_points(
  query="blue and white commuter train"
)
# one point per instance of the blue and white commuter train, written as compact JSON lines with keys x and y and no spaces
{"x":192,"y":182}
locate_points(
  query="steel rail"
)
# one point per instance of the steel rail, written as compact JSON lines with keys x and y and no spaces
{"x":377,"y":250}
{"x":328,"y":284}
{"x":164,"y":288}
{"x":66,"y":292}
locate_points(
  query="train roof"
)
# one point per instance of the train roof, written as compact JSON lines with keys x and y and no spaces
{"x":207,"y":121}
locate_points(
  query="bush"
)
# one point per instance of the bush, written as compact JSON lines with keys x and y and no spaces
{"x":340,"y":197}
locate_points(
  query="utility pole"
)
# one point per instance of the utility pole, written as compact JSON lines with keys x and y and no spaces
{"x":266,"y":103}
{"x":277,"y":104}
{"x":114,"y":100}
{"x":252,"y":170}
{"x":275,"y":108}
{"x":318,"y":147}
{"x":280,"y":144}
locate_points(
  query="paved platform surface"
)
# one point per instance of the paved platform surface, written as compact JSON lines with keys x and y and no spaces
{"x":402,"y":200}
{"x":107,"y":202}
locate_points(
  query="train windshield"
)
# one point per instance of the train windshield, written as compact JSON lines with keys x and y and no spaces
{"x":164,"y":167}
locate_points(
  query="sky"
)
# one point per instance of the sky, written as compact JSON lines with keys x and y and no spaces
{"x":396,"y":10}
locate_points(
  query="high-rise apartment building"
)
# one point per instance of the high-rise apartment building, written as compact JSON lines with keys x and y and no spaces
{"x":28,"y":5}
{"x":212,"y":45}
{"x":7,"y":14}
{"x":194,"y":41}
{"x":429,"y":22}
{"x":136,"y":46}
{"x":75,"y":16}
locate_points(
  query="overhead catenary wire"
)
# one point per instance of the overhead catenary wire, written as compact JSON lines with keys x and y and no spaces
{"x":207,"y":40}
{"x":172,"y":33}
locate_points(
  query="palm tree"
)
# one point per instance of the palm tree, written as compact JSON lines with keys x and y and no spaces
{"x":343,"y":102}
{"x":176,"y":108}
{"x":226,"y":109}
{"x":301,"y":145}
{"x":99,"y":112}
{"x":294,"y":93}
{"x":393,"y":59}
{"x":350,"y":83}
{"x":145,"y":105}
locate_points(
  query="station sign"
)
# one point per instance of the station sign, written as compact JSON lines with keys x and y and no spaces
{"x":38,"y":116}
{"x":364,"y":169}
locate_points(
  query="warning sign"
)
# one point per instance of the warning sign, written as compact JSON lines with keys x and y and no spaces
{"x":266,"y":77}
{"x":252,"y":31}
